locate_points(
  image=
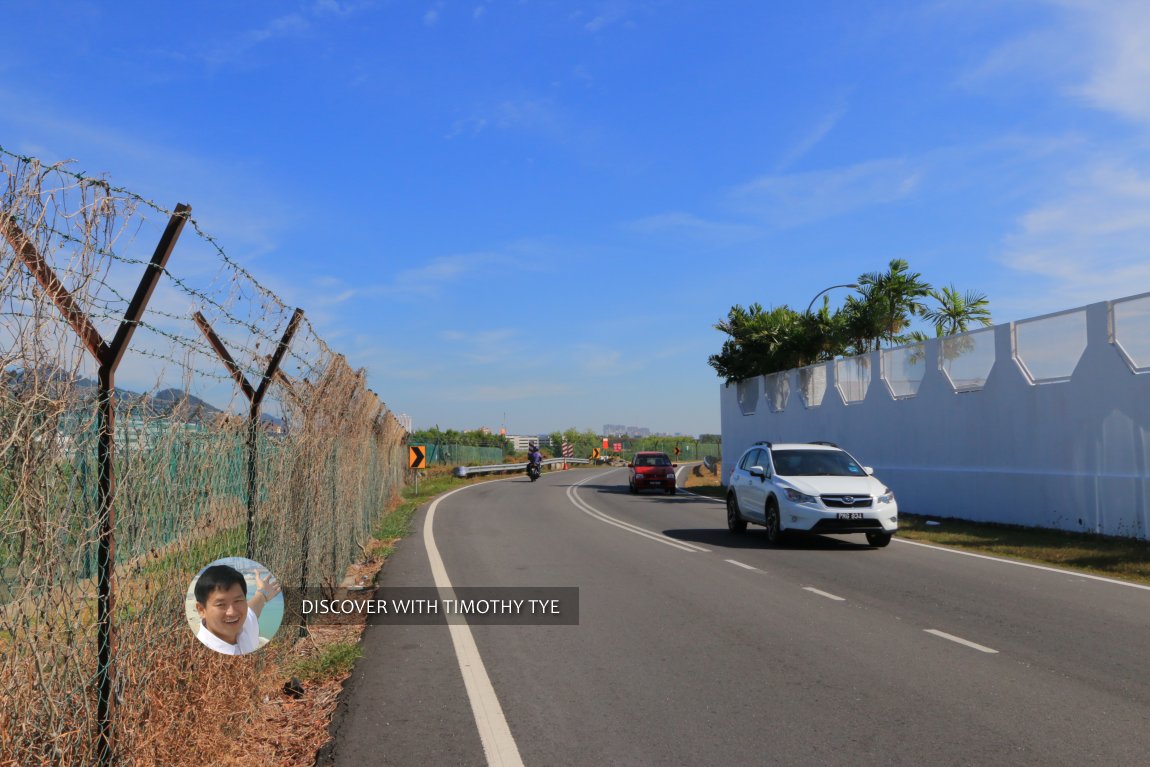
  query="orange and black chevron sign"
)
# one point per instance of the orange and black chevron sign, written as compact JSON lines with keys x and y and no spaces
{"x":416,"y":458}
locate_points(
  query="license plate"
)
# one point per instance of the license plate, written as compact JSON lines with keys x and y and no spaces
{"x":654,"y":482}
{"x":849,"y":515}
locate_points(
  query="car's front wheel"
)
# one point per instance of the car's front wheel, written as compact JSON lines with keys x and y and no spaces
{"x":735,"y":523}
{"x":877,"y":539}
{"x":774,"y":529}
{"x":631,"y":487}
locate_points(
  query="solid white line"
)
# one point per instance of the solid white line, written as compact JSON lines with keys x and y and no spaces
{"x":813,"y":590}
{"x":704,"y":497}
{"x":1114,"y":581}
{"x":961,"y":641}
{"x":685,"y":491}
{"x":586,"y":508}
{"x":740,"y":564}
{"x":498,"y":743}
{"x":593,"y":512}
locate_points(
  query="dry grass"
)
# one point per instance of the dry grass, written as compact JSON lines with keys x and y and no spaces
{"x":1122,"y":558}
{"x":702,"y":482}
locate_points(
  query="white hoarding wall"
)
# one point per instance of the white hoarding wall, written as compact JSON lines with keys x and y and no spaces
{"x":1042,"y":422}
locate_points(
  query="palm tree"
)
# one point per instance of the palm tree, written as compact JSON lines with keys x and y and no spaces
{"x":760,"y":342}
{"x":893,"y":298}
{"x":956,"y":312}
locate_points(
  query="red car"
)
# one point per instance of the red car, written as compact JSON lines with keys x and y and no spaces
{"x":652,"y":471}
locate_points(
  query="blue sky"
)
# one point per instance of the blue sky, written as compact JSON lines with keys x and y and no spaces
{"x":530,"y":214}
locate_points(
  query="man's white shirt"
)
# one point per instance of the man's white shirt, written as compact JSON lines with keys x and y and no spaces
{"x":248,"y":640}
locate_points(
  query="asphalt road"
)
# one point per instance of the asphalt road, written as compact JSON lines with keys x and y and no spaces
{"x":698,"y":647}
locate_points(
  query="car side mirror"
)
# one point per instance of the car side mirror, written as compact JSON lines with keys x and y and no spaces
{"x":869,"y":470}
{"x":630,"y":465}
{"x":674,"y":466}
{"x":759,"y":471}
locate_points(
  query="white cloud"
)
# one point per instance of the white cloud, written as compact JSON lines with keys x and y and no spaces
{"x":812,"y":138}
{"x":486,"y":347}
{"x":608,"y":14}
{"x":801,"y":198}
{"x":1092,"y":51}
{"x":1084,"y":238}
{"x":1120,"y":59}
{"x":429,"y":280}
{"x":1089,"y":242}
{"x":513,"y":393}
{"x":680,"y":223}
{"x":229,"y":51}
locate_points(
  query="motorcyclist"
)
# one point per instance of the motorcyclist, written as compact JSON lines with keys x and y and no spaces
{"x":534,"y":461}
{"x":533,"y":455}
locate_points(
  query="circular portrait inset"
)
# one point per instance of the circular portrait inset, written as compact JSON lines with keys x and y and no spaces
{"x":234,"y":606}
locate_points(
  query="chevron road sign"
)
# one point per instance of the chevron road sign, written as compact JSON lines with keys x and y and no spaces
{"x":416,"y":458}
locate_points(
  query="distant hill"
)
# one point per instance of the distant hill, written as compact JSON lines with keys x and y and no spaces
{"x":167,"y":403}
{"x":178,"y":404}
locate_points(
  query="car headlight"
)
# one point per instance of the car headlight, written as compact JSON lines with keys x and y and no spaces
{"x":794,"y":496}
{"x":887,"y":496}
{"x":670,"y":475}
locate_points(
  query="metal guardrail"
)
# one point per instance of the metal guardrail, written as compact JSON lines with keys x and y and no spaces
{"x":467,"y":471}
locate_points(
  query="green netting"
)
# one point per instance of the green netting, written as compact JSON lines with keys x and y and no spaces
{"x":461,"y":455}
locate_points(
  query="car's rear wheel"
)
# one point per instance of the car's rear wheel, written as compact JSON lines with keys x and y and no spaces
{"x":735,"y":523}
{"x":877,"y":539}
{"x":774,"y":530}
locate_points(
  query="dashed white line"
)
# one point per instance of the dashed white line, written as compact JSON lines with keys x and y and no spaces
{"x":740,"y":564}
{"x":961,"y":641}
{"x":813,"y":590}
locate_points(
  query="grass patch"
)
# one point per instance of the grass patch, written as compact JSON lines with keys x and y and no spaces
{"x":1122,"y":558}
{"x":203,"y":551}
{"x":433,"y":481}
{"x":701,"y":481}
{"x":333,"y":660}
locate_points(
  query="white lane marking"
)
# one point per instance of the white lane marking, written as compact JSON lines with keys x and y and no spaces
{"x":961,"y":641}
{"x":704,"y":497}
{"x":595,"y":513}
{"x":685,"y":491}
{"x":1076,"y":574}
{"x":813,"y":590}
{"x":740,"y":564}
{"x":498,"y":743}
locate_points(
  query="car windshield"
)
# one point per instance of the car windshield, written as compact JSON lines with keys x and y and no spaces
{"x":653,"y":460}
{"x":815,"y":463}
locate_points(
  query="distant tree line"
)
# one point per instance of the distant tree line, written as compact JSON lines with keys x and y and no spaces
{"x":583,"y":442}
{"x":763,"y":341}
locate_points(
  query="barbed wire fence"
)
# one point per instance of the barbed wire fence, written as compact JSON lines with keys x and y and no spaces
{"x":133,"y":453}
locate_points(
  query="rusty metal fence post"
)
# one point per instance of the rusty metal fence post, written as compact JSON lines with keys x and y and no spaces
{"x":255,"y":401}
{"x":107,"y":357}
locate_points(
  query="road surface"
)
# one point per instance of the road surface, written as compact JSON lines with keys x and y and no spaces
{"x":698,"y":647}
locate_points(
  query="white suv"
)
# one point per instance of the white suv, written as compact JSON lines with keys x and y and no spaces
{"x":811,"y":488}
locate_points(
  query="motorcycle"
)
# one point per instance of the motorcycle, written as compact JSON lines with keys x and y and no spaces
{"x":533,"y":471}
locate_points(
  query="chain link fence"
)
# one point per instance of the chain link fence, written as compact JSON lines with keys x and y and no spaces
{"x":133,"y":452}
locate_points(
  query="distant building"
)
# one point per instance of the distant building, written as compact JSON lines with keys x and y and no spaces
{"x":520,"y":443}
{"x":619,"y":430}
